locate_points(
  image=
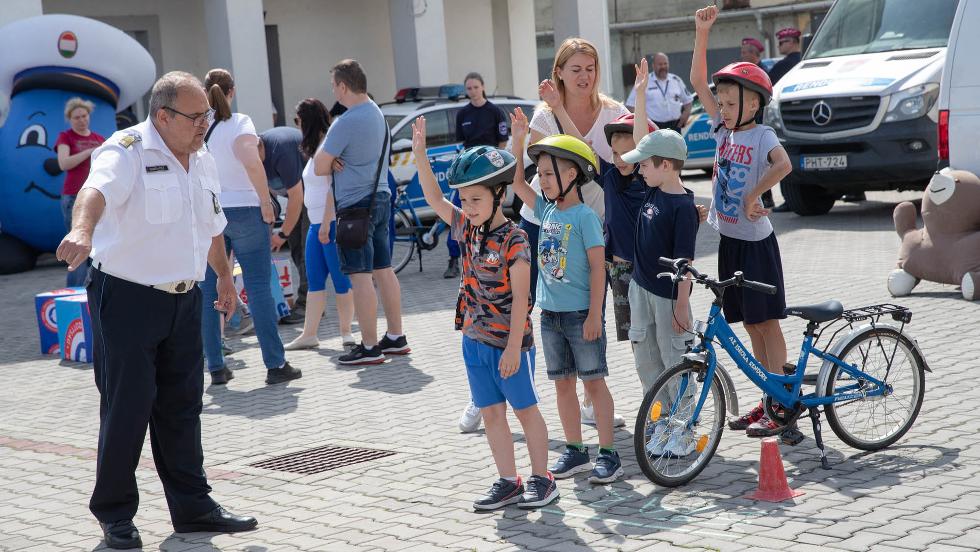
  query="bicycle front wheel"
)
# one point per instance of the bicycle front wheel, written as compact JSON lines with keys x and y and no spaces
{"x":671,"y":448}
{"x":873,"y":423}
{"x":404,"y":245}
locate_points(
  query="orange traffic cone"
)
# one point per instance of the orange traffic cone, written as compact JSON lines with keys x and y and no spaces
{"x":772,"y":479}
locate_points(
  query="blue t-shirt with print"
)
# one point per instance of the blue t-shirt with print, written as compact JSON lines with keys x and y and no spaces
{"x":356,"y":138}
{"x":563,"y":261}
{"x":624,"y":196}
{"x":667,"y":227}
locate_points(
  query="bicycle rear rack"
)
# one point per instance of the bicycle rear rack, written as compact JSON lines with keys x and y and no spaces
{"x":874,"y":313}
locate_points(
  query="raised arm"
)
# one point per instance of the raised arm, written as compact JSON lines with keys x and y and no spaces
{"x":640,"y":92}
{"x":427,"y":179}
{"x":549,"y":93}
{"x":703,"y":20}
{"x":518,"y":132}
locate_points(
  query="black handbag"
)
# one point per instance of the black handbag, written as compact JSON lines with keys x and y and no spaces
{"x":354,"y":223}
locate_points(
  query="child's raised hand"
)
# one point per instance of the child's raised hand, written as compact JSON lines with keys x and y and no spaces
{"x":642,"y":76}
{"x":549,"y":93}
{"x":705,"y":18}
{"x":518,"y":126}
{"x":418,"y":138}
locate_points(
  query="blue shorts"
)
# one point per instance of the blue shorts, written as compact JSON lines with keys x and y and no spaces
{"x":759,"y":261}
{"x":375,"y":254}
{"x":487,"y":387}
{"x":322,"y":261}
{"x":566,"y":352}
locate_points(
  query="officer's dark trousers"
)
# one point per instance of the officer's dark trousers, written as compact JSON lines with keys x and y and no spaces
{"x":149,"y":369}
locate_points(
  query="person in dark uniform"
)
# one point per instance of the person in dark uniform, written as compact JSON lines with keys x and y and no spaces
{"x":479,"y":123}
{"x":149,"y":217}
{"x":283,"y":162}
{"x":790,"y":48}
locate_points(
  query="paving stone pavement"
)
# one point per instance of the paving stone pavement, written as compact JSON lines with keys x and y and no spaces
{"x":922,"y":493}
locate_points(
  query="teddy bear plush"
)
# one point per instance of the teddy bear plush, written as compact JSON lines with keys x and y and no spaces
{"x":947,"y":249}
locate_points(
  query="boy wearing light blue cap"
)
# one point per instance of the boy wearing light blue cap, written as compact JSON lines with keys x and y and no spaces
{"x":660,"y":310}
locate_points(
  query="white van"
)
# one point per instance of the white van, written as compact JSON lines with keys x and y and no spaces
{"x":859,"y":112}
{"x":959,"y":95}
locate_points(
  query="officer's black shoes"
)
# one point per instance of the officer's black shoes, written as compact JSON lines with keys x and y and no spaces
{"x":121,"y":535}
{"x":221,"y":377}
{"x":294,"y":317}
{"x":218,"y":520}
{"x":283,"y":374}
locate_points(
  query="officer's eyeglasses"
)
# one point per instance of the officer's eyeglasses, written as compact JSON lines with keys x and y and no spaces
{"x":205,"y":118}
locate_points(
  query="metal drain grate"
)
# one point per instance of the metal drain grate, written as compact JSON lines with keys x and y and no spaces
{"x":321,"y":459}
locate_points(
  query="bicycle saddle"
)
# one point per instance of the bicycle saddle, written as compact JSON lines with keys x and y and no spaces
{"x":824,"y":312}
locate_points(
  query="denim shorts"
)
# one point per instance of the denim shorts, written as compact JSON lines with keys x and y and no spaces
{"x":566,"y":353}
{"x":375,"y":253}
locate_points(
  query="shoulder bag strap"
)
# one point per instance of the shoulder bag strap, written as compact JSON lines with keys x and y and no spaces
{"x":381,"y":163}
{"x":210,"y":130}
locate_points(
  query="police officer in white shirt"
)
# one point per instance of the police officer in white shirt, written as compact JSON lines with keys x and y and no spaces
{"x":149,"y":217}
{"x":668,"y":100}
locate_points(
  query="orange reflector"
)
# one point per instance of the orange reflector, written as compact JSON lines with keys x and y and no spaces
{"x":702,"y":442}
{"x":655,"y":410}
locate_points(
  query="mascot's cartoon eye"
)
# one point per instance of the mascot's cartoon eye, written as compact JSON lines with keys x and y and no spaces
{"x":34,"y":135}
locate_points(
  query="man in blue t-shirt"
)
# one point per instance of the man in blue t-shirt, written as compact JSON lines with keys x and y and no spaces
{"x":283,"y":163}
{"x":660,"y":310}
{"x":354,"y":154}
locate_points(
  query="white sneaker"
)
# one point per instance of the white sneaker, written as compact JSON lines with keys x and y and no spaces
{"x":470,"y":420}
{"x":303,"y":343}
{"x":680,"y":443}
{"x":588,"y":416}
{"x":658,"y":440}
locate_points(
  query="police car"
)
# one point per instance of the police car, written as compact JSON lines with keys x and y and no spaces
{"x":700,"y":144}
{"x":440,"y":106}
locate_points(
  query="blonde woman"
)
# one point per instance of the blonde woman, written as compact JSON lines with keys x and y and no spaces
{"x":75,"y":147}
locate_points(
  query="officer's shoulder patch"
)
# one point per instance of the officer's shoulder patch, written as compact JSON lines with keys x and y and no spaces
{"x":128,"y":140}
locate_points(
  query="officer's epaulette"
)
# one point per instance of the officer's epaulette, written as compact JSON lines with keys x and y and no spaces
{"x":128,"y":140}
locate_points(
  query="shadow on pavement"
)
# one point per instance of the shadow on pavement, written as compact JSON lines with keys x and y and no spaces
{"x":260,"y":403}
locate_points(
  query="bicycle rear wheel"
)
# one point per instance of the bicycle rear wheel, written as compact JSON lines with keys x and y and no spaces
{"x":668,"y":451}
{"x":404,"y":244}
{"x":873,"y":423}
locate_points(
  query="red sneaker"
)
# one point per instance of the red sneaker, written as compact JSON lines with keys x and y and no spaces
{"x":745,"y":421}
{"x":765,"y":427}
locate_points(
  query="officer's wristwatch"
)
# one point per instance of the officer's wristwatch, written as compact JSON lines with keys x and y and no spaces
{"x":281,"y":235}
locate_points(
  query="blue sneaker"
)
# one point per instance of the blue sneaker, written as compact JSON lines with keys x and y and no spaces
{"x":608,"y":468}
{"x":541,"y":491}
{"x":502,"y":493}
{"x":573,"y":461}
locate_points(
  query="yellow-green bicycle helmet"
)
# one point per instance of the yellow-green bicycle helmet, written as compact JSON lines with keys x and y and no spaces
{"x":572,"y":149}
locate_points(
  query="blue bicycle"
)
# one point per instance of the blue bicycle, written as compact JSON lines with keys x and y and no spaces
{"x":870,"y":384}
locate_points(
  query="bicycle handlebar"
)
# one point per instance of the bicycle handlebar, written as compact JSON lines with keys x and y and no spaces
{"x":682,"y":267}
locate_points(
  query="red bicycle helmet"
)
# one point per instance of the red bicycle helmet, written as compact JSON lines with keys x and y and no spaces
{"x":748,"y":75}
{"x":624,"y":123}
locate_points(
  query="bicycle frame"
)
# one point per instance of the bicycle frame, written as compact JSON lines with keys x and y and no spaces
{"x":774,"y":385}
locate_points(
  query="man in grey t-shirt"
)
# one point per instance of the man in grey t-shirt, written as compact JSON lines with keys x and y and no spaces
{"x":351,"y":153}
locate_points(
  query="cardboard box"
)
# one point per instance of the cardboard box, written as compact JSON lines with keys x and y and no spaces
{"x":47,"y":318}
{"x":74,"y":328}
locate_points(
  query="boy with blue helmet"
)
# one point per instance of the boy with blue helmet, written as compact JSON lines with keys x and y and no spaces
{"x":493,"y":312}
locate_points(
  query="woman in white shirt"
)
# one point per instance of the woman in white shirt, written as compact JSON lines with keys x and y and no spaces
{"x":573,"y":105}
{"x":247,"y":205}
{"x":322,"y":259}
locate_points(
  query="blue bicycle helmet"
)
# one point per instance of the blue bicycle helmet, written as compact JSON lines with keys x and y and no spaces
{"x":483,"y":165}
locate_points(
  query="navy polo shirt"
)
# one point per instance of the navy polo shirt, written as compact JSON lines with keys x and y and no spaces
{"x":624,"y":196}
{"x":481,"y":126}
{"x":667,"y":227}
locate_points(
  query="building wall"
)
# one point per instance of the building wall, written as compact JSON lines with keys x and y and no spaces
{"x":472,"y":46}
{"x":314,"y":35}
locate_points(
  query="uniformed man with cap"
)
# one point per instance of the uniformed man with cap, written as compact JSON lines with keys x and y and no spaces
{"x":790,"y":48}
{"x":149,"y":217}
{"x":668,"y":100}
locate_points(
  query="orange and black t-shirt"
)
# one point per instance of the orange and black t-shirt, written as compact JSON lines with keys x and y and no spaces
{"x":485,"y":296}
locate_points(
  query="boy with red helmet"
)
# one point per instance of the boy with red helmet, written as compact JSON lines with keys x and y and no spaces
{"x":749,"y":161}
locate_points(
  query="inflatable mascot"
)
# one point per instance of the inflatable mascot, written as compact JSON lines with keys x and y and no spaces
{"x":947,"y":249}
{"x":47,"y":60}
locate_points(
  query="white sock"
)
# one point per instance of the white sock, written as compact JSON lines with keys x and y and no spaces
{"x":392,"y":336}
{"x":347,"y":338}
{"x":511,"y":479}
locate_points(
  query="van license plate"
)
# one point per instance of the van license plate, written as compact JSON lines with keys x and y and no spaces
{"x":823,"y":162}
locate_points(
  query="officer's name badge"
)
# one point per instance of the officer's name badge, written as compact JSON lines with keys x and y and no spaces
{"x":157,"y":168}
{"x":214,"y":201}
